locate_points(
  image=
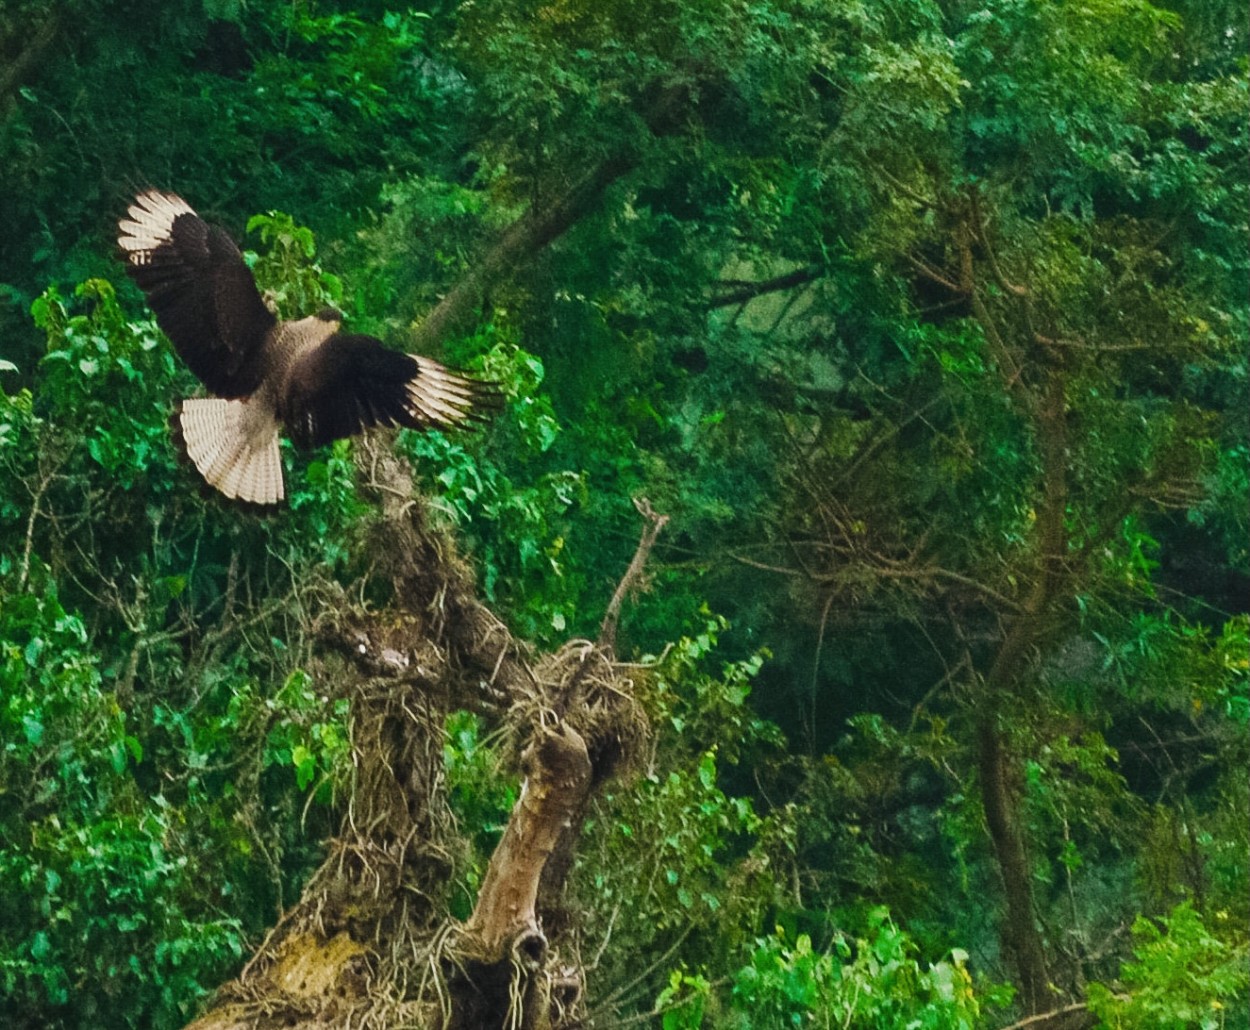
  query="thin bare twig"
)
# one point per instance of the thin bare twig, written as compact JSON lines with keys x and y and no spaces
{"x":655,"y":523}
{"x":623,"y":991}
{"x":1044,"y":1017}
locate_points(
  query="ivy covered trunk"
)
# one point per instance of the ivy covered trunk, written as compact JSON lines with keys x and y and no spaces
{"x":369,"y":943}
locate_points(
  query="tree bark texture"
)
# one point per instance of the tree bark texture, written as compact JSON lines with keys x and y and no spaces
{"x":505,"y":932}
{"x":557,"y":779}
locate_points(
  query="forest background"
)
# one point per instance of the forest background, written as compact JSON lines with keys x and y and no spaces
{"x":925,"y":323}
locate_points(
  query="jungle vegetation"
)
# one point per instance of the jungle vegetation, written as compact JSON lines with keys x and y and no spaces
{"x":866,"y":530}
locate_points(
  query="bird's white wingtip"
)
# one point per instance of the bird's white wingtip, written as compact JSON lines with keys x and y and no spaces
{"x":151,"y":220}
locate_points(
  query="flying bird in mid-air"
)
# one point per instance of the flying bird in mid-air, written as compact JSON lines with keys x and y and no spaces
{"x":305,"y":376}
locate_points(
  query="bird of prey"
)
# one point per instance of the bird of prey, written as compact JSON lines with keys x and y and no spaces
{"x":306,"y":377}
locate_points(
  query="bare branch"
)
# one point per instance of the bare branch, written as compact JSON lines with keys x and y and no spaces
{"x":1046,"y":1017}
{"x":633,"y":575}
{"x":929,"y":272}
{"x":978,"y":226}
{"x":779,"y":569}
{"x":740,"y":291}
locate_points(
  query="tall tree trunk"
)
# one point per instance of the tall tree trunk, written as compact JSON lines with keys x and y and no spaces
{"x":998,"y":771}
{"x":999,"y":767}
{"x":1043,"y":400}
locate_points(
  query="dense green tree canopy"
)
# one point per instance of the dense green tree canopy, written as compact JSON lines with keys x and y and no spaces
{"x":925,"y":323}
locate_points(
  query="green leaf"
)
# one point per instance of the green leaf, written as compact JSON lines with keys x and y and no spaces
{"x":33,"y":730}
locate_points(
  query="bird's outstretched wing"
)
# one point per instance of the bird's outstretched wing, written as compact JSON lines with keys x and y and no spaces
{"x":350,"y":383}
{"x":202,"y":292}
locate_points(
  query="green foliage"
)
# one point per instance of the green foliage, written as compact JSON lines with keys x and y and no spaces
{"x":168,"y":767}
{"x":18,"y":426}
{"x":684,"y":1001}
{"x":327,"y":510}
{"x":678,"y":859}
{"x":480,"y":797}
{"x":249,"y":106}
{"x":969,"y":204}
{"x":308,"y":732}
{"x":694,"y":818}
{"x":1185,"y":976}
{"x":869,"y":981}
{"x":514,"y":516}
{"x":699,"y":706}
{"x":103,"y":372}
{"x":102,"y":913}
{"x":296,"y":284}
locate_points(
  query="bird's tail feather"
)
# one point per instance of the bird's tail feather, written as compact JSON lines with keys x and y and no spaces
{"x":213,"y":435}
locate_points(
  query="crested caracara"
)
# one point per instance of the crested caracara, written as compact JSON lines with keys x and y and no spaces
{"x":305,"y":377}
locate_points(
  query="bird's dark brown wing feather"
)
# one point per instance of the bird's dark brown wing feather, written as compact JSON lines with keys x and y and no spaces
{"x":350,"y":383}
{"x":200,"y":289}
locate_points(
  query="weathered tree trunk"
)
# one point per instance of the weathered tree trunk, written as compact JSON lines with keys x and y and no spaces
{"x":370,"y":943}
{"x":346,"y":951}
{"x":505,"y":932}
{"x":589,"y":728}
